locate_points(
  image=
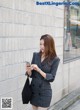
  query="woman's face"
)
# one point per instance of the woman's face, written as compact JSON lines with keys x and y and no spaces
{"x":42,"y":48}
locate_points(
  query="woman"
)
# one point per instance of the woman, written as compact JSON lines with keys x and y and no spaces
{"x":43,"y":71}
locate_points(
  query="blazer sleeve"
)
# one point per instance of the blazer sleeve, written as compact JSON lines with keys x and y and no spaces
{"x":51,"y":76}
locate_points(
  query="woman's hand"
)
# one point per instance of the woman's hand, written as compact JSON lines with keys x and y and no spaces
{"x":28,"y":70}
{"x":35,"y":67}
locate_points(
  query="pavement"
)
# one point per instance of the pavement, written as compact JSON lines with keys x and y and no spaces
{"x":75,"y":106}
{"x":69,"y":102}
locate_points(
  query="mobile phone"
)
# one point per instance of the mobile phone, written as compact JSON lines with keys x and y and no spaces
{"x":28,"y":64}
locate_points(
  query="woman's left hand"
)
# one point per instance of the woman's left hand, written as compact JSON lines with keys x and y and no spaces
{"x":35,"y":67}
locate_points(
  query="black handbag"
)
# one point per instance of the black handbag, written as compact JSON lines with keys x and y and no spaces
{"x":26,"y":92}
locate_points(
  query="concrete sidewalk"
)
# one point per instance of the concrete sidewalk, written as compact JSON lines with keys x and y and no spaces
{"x":69,"y":102}
{"x":75,"y":106}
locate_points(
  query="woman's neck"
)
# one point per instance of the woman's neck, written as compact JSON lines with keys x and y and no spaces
{"x":43,"y":55}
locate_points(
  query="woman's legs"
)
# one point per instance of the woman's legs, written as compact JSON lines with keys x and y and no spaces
{"x":38,"y":108}
{"x":41,"y":108}
{"x":34,"y":107}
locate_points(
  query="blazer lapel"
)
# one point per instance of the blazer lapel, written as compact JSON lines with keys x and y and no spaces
{"x":43,"y":62}
{"x":39,"y":60}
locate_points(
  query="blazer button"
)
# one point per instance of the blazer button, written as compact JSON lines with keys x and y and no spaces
{"x":39,"y":86}
{"x":32,"y":92}
{"x":39,"y":93}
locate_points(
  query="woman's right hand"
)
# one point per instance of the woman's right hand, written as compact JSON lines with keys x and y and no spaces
{"x":28,"y":70}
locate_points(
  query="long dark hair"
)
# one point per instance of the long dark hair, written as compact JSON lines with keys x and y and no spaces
{"x":49,"y":45}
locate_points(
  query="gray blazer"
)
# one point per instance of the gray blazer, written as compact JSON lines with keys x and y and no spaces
{"x":41,"y":87}
{"x":50,"y":70}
